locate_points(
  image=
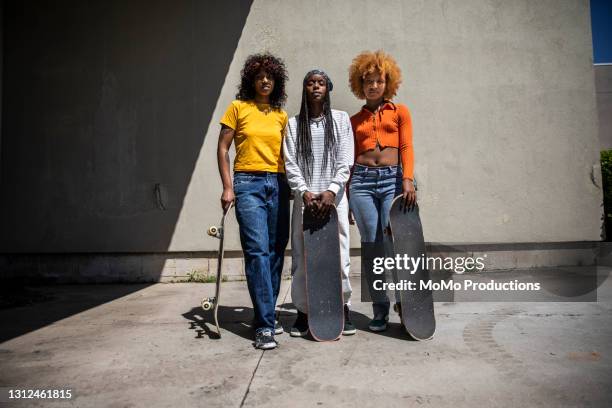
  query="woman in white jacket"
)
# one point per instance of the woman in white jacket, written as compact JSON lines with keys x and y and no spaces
{"x":319,"y":152}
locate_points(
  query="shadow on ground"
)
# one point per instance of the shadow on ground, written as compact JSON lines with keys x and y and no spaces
{"x":25,"y":309}
{"x":237,"y":320}
{"x":360,"y":321}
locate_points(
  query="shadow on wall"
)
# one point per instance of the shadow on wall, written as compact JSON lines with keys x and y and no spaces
{"x":106,"y":106}
{"x":105,"y":110}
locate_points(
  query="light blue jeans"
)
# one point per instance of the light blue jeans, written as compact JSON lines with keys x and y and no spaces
{"x":372,"y":190}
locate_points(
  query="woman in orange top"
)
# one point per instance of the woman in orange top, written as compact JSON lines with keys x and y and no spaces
{"x":384,"y":163}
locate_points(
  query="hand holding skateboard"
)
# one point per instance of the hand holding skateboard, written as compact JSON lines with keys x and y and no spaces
{"x":227,"y":199}
{"x":408,"y":194}
{"x":319,"y":204}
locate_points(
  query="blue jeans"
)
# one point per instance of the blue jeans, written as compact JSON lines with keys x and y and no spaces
{"x":372,"y":190}
{"x":262,"y":210}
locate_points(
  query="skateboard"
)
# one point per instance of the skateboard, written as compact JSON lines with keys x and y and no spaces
{"x":213,"y":302}
{"x":417,"y":308}
{"x":323,"y":276}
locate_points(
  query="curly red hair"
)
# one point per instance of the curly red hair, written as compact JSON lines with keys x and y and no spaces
{"x":368,"y":62}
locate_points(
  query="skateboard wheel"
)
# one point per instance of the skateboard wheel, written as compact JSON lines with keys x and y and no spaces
{"x":215,"y":231}
{"x":208,"y":304}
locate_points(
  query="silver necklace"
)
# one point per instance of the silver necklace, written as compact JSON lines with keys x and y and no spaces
{"x":318,"y":118}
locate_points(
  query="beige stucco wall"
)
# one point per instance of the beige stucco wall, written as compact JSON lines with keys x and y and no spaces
{"x":503,"y":103}
{"x":110,"y":114}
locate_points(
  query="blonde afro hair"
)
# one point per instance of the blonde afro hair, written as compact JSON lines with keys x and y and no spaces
{"x":369,"y":62}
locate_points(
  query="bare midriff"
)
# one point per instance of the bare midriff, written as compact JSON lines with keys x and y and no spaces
{"x":379,"y":157}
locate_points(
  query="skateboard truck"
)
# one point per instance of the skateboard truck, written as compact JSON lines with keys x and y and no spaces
{"x":208,"y":303}
{"x":215,"y":231}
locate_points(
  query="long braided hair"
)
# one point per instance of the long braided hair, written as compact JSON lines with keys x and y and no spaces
{"x":305,"y":156}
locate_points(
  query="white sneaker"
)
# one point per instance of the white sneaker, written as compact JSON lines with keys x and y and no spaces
{"x":278,"y":328}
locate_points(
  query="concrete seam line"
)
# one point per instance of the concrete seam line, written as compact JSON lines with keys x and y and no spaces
{"x":251,"y":380}
{"x":260,"y":358}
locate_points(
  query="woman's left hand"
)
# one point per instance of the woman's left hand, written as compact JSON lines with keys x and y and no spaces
{"x":408,"y":193}
{"x":326,"y":201}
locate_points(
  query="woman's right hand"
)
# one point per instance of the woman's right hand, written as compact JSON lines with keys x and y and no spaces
{"x":408,"y":193}
{"x":308,"y":199}
{"x":227,"y":198}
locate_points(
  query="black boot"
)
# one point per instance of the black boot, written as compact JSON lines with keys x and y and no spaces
{"x":349,"y":328}
{"x":300,"y":327}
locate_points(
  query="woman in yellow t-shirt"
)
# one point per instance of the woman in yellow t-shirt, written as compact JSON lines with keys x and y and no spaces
{"x":256,"y":121}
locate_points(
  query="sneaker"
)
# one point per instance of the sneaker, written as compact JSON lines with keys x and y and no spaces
{"x":349,"y":328}
{"x":278,"y":328}
{"x":379,"y":323}
{"x":300,"y":327}
{"x":264,"y":340}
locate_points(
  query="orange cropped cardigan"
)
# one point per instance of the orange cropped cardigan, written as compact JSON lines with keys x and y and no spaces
{"x":391,"y":126}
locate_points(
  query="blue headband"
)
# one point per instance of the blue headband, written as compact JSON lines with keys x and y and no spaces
{"x":330,"y":85}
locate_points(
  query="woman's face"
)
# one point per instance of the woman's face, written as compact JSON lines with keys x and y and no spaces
{"x":264,"y":83}
{"x":374,"y":86}
{"x":316,"y":88}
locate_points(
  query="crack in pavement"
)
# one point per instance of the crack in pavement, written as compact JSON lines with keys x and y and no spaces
{"x":246,"y":393}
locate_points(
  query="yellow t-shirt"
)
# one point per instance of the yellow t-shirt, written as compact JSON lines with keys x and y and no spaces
{"x":258,"y":135}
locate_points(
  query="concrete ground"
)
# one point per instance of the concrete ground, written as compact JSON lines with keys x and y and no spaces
{"x":151,"y":345}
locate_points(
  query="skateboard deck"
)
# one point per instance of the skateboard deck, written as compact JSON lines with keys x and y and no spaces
{"x":323,"y":276}
{"x":417,"y":308}
{"x":217,"y":231}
